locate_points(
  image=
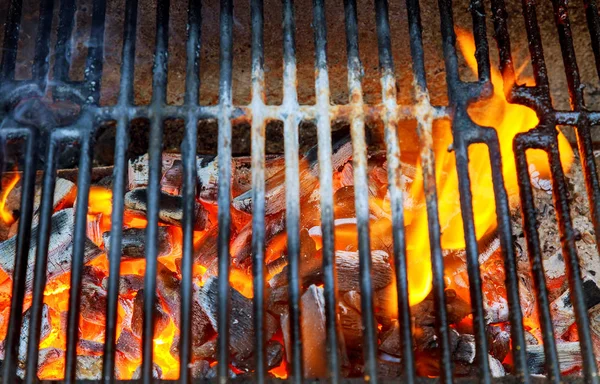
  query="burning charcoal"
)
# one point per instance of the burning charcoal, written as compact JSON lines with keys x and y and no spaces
{"x":89,"y":347}
{"x":569,"y":357}
{"x":465,"y":349}
{"x":351,"y":325}
{"x":128,"y":284}
{"x":170,"y":208}
{"x":206,"y":251}
{"x":277,"y":301}
{"x":134,"y":240}
{"x":93,"y":296}
{"x":161,"y":319}
{"x":207,"y":174}
{"x":59,"y":249}
{"x":561,"y":308}
{"x":425,"y":338}
{"x":129,"y":345}
{"x":65,"y":192}
{"x":207,"y":350}
{"x":390,"y":341}
{"x":89,"y":368}
{"x":274,"y":356}
{"x":308,"y":176}
{"x":498,"y":341}
{"x":199,"y":369}
{"x":213,"y":373}
{"x":156,"y":372}
{"x":347,"y":270}
{"x":312,"y":323}
{"x":388,"y":366}
{"x":343,"y":206}
{"x":241,"y":340}
{"x":46,"y":328}
{"x":241,"y":246}
{"x":462,"y":369}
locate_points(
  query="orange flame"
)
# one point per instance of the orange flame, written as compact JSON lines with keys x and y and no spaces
{"x":508,"y":120}
{"x":7,"y":217}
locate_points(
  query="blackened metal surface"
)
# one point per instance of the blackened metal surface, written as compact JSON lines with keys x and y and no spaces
{"x":465,"y":133}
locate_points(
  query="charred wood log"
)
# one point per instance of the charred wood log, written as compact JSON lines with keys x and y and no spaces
{"x":156,"y":372}
{"x":129,"y":345}
{"x":128,"y":285}
{"x":59,"y":249}
{"x":274,"y":357}
{"x":170,"y":208}
{"x":93,"y":296}
{"x":133,"y":242}
{"x":241,"y":246}
{"x":498,"y":342}
{"x":241,"y":340}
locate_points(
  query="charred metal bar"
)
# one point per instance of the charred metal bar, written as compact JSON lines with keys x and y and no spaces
{"x":11,"y":39}
{"x":593,"y":188}
{"x":593,"y":20}
{"x":62,"y":61}
{"x":535,"y":256}
{"x":326,"y":190}
{"x":258,"y":187}
{"x":479,"y":33}
{"x":95,"y":58}
{"x":79,"y":237}
{"x":21,"y":260}
{"x":424,"y":127}
{"x":292,"y":186}
{"x":42,"y":42}
{"x":188,"y":149}
{"x":357,"y":131}
{"x":41,"y":262}
{"x":159,"y":86}
{"x":119,"y":179}
{"x":224,"y":194}
{"x":395,"y":185}
{"x":465,"y":133}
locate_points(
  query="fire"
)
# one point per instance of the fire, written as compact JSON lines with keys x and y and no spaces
{"x":7,"y":217}
{"x":508,"y":120}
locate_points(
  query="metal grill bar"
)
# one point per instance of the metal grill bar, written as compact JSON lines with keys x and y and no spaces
{"x":11,"y":39}
{"x":395,"y":184}
{"x":292,"y":187}
{"x":224,"y":142}
{"x":41,"y":261}
{"x":466,"y":133}
{"x":159,"y":85}
{"x":21,"y":259}
{"x":66,"y":20}
{"x":79,"y":237}
{"x":188,"y":149}
{"x":326,"y":189}
{"x":42,"y":43}
{"x":119,"y":175}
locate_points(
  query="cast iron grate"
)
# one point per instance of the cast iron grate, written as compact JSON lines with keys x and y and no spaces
{"x":257,"y":113}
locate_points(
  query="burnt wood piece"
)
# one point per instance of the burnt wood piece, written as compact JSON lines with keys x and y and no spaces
{"x":274,"y":357}
{"x":128,"y":285}
{"x":561,"y":308}
{"x":241,"y":340}
{"x":241,"y":246}
{"x":170,"y":208}
{"x":156,"y":372}
{"x":308,"y":176}
{"x":424,"y":312}
{"x":161,"y":318}
{"x":312,"y":323}
{"x":569,"y":357}
{"x":129,"y":345}
{"x":89,"y":348}
{"x":498,"y":342}
{"x":93,"y":296}
{"x":59,"y":249}
{"x":207,"y":169}
{"x":87,"y":368}
{"x":347,"y":266}
{"x":133,"y":242}
{"x":46,"y":328}
{"x":65,"y":192}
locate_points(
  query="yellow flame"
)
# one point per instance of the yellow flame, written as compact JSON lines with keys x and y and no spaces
{"x":7,"y":217}
{"x":508,"y":120}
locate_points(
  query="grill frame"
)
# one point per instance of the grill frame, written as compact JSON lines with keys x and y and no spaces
{"x":465,"y":133}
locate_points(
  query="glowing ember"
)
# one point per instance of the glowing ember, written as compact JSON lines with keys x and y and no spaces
{"x":7,"y":217}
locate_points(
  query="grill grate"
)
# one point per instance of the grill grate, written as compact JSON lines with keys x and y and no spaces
{"x":465,"y":133}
